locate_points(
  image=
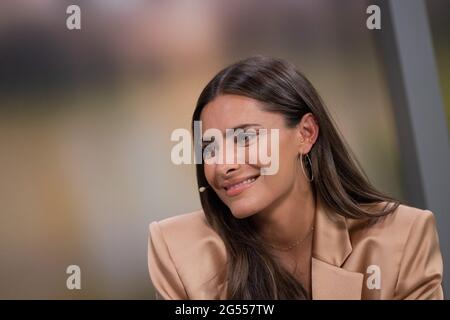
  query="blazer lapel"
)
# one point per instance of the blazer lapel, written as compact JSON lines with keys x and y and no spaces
{"x":332,"y":283}
{"x":331,"y":247}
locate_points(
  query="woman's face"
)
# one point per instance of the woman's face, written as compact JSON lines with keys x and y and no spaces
{"x":256,"y":192}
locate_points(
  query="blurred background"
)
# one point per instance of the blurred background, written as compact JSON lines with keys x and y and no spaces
{"x":86,"y":117}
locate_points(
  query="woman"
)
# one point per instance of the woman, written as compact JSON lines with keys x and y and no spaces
{"x":316,"y":229}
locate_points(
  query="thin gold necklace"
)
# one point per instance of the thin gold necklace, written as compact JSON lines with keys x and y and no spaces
{"x":296,"y":243}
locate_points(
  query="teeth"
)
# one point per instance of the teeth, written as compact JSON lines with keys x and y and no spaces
{"x":242,"y":183}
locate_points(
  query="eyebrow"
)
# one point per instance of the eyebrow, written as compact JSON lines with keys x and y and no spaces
{"x":246,"y":125}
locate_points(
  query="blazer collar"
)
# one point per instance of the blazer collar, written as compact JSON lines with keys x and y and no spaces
{"x":331,"y":247}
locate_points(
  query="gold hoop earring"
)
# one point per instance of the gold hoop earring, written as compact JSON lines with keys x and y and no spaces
{"x":310,"y":165}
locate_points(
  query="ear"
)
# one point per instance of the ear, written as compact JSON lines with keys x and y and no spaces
{"x":307,"y":132}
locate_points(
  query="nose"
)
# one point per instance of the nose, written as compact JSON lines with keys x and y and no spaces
{"x":228,"y":161}
{"x":225,"y":170}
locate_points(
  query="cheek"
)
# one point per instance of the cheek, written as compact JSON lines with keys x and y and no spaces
{"x":277,"y":184}
{"x":274,"y":186}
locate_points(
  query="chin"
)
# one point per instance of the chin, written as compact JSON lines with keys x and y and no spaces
{"x":243,"y":209}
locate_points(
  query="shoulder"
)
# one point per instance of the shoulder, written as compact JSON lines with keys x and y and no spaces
{"x":420,"y":267}
{"x":405,"y":245}
{"x":405,"y":227}
{"x":398,"y":224}
{"x":179,"y":247}
{"x":191,"y":221}
{"x":182,"y":230}
{"x":410,"y":215}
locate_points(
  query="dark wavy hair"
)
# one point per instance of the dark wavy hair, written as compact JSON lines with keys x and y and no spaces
{"x":252,"y":272}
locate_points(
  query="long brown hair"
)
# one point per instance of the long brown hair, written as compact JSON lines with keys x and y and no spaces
{"x":252,"y":272}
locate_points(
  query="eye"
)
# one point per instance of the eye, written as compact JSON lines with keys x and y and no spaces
{"x":245,"y":138}
{"x":209,"y":150}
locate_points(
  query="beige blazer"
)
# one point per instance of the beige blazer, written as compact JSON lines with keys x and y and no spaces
{"x":396,"y":258}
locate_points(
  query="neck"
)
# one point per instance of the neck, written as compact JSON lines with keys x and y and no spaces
{"x":288,"y":219}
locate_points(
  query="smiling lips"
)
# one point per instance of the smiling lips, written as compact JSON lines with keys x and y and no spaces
{"x":237,"y":188}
